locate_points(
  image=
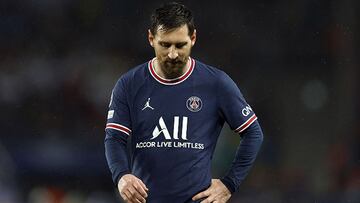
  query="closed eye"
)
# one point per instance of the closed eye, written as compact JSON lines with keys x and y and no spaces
{"x":177,"y":45}
{"x":181,"y":45}
{"x":165,"y":44}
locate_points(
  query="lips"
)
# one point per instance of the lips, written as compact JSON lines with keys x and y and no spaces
{"x":174,"y":62}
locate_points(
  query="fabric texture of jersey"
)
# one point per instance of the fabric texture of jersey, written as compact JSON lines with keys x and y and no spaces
{"x":174,"y":126}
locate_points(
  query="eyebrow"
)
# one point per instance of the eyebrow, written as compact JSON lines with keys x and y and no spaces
{"x":176,"y":44}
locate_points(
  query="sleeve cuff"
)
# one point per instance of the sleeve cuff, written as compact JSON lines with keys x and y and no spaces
{"x":118,"y":176}
{"x":229,"y":184}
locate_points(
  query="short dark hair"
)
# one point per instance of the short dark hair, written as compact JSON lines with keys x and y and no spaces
{"x":170,"y":16}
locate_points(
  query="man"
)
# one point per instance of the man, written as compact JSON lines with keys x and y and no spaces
{"x":173,"y":109}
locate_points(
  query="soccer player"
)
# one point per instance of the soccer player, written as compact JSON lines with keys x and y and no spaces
{"x":173,"y":108}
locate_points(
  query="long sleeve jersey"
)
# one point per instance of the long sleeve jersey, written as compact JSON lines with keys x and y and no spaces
{"x":173,"y":126}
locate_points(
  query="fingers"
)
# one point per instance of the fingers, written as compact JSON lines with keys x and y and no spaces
{"x":125,"y":195}
{"x":216,"y":193}
{"x":136,"y":196}
{"x":143,"y":185}
{"x":140,"y":189}
{"x":207,"y":200}
{"x":131,"y":195}
{"x":202,"y":194}
{"x":132,"y":189}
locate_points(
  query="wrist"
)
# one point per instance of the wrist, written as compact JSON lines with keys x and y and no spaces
{"x":120,"y":175}
{"x":228,"y":184}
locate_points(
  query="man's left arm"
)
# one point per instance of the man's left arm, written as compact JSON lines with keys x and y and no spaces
{"x":242,"y":119}
{"x":250,"y":144}
{"x":221,"y":189}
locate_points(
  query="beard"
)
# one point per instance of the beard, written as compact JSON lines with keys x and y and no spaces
{"x":174,"y":68}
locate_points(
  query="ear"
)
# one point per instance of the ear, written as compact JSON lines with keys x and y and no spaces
{"x":151,"y":38}
{"x":193,"y":38}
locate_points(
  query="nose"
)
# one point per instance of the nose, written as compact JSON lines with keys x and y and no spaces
{"x":173,"y":53}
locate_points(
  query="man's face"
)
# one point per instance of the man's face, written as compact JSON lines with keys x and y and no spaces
{"x":172,"y":48}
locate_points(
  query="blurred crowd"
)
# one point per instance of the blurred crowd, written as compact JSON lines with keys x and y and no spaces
{"x":295,"y":62}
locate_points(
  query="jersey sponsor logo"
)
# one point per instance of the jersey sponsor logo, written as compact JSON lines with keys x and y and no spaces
{"x":171,"y":141}
{"x":246,"y":111}
{"x":147,"y":105}
{"x":164,"y":130}
{"x":194,"y":104}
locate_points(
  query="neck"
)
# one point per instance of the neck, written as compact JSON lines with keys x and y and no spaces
{"x":170,"y":73}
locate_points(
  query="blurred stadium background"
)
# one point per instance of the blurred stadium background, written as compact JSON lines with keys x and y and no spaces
{"x":296,"y":62}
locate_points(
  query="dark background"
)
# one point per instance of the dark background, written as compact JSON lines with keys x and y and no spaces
{"x":296,"y":63}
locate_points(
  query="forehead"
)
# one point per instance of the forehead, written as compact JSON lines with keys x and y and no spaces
{"x":173,"y":35}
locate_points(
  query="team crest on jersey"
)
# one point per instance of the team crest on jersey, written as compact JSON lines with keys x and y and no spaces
{"x":194,"y":104}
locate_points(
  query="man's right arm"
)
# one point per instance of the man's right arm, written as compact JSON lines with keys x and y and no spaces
{"x":118,"y":129}
{"x":131,"y":188}
{"x":116,"y":155}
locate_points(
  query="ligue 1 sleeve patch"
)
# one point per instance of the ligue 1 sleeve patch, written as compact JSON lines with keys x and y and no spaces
{"x":194,"y":104}
{"x":111,"y":98}
{"x":110,"y":114}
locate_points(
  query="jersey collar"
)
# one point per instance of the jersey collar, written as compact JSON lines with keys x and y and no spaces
{"x":173,"y":81}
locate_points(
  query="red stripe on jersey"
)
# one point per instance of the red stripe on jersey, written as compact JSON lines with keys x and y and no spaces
{"x":175,"y":80}
{"x":246,"y":124}
{"x":118,"y":127}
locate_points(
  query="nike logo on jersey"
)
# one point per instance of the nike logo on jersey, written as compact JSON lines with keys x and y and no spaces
{"x":147,"y":105}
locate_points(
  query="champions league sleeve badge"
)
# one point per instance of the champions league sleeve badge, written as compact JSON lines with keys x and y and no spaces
{"x":194,"y":104}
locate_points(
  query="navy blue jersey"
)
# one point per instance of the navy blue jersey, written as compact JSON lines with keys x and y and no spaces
{"x":174,"y":125}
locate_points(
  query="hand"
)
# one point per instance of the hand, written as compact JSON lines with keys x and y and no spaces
{"x":132,"y":189}
{"x":216,"y":193}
